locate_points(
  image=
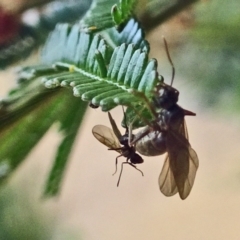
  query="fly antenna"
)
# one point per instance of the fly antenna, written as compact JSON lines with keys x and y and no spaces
{"x":170,"y":60}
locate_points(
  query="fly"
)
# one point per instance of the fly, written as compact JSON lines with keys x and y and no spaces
{"x":168,"y":133}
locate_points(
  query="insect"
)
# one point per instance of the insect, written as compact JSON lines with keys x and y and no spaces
{"x":93,"y":105}
{"x":168,"y":133}
{"x":113,"y":139}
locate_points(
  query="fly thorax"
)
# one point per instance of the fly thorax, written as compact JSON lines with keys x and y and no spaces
{"x":173,"y":117}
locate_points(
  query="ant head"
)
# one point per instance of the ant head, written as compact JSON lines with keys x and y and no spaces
{"x":124,"y":139}
{"x":167,"y":97}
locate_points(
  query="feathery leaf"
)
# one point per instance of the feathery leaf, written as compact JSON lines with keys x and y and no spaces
{"x":121,"y":12}
{"x":97,"y":74}
{"x":105,"y":14}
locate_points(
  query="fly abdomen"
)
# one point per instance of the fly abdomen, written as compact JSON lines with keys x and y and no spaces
{"x":153,"y":144}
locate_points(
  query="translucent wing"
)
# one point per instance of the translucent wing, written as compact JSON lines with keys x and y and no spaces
{"x":180,"y":166}
{"x":106,"y":136}
{"x":185,"y":179}
{"x":184,"y":168}
{"x":166,"y":180}
{"x":183,"y":129}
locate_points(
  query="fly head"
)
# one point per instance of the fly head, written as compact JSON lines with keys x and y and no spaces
{"x":167,"y":97}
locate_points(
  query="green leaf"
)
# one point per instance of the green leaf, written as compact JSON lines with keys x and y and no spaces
{"x":96,"y":74}
{"x":70,"y":124}
{"x":98,"y":16}
{"x":25,"y":121}
{"x":27,"y":114}
{"x":121,"y":12}
{"x":131,"y":33}
{"x":105,"y":14}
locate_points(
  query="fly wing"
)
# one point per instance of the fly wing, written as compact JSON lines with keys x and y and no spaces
{"x":166,"y":180}
{"x":193,"y":166}
{"x":184,"y":168}
{"x":106,"y":136}
{"x":183,"y":160}
{"x":183,"y":129}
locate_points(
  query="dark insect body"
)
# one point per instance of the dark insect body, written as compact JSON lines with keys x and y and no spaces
{"x":168,"y":133}
{"x":113,"y":139}
{"x":93,"y":105}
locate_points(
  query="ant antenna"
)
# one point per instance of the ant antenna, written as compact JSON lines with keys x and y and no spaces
{"x":170,"y":60}
{"x":125,"y":119}
{"x":128,"y":128}
{"x":114,"y":126}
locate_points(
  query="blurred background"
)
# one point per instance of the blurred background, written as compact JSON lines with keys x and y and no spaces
{"x":204,"y":45}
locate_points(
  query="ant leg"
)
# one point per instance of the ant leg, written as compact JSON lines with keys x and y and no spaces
{"x":140,"y":135}
{"x":122,"y":171}
{"x":138,"y":115}
{"x":135,"y":167}
{"x":116,"y":164}
{"x":115,"y":149}
{"x":129,"y":134}
{"x":125,"y":119}
{"x":147,"y":102}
